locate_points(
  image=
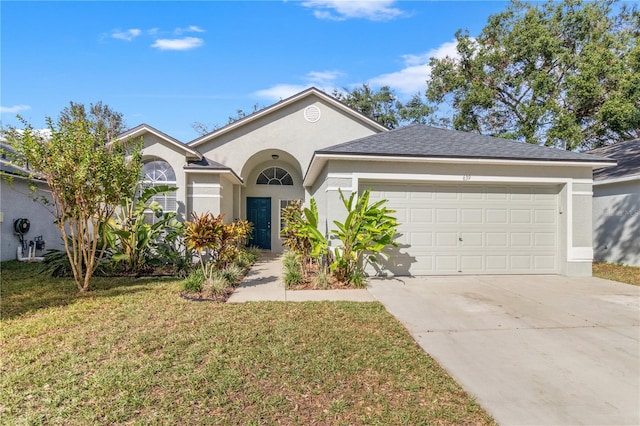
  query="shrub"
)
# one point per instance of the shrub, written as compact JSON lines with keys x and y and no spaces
{"x":293,"y":273}
{"x":193,"y":282}
{"x":215,"y":285}
{"x":322,"y":279}
{"x":231,"y":274}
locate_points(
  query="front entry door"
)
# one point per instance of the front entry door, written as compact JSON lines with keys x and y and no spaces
{"x":259,"y":213}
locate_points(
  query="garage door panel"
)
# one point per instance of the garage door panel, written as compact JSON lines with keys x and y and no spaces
{"x":497,"y":216}
{"x":421,"y":216}
{"x":545,"y":216}
{"x":488,"y":228}
{"x":471,"y":216}
{"x":521,"y":217}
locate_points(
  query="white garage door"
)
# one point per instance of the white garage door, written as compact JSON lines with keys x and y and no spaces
{"x":472,"y":229}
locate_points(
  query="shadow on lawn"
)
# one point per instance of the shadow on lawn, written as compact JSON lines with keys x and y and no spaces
{"x":25,"y":289}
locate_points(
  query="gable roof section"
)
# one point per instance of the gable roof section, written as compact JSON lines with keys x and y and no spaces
{"x":207,"y":165}
{"x":145,"y":128}
{"x":312,"y":91}
{"x":418,"y":142}
{"x":628,"y":156}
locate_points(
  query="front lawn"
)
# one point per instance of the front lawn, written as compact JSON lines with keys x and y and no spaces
{"x":132,"y":351}
{"x":621,"y":273}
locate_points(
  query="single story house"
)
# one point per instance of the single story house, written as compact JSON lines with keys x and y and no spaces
{"x":468,"y":204}
{"x":616,"y":205}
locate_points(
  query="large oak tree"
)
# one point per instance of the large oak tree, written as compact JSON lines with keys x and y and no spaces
{"x":564,"y":74}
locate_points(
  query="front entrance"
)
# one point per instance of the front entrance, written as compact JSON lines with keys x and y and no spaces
{"x":259,"y":213}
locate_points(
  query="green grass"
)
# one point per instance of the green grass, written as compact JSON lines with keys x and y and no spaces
{"x":132,"y":351}
{"x":621,"y":273}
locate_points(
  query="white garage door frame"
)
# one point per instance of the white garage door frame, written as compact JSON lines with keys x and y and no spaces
{"x":572,"y":254}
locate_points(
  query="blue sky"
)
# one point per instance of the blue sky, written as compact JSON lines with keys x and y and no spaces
{"x":170,"y":64}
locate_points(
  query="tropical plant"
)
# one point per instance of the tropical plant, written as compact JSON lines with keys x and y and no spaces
{"x":133,"y":239}
{"x":214,"y":242}
{"x":367,"y":230}
{"x":301,"y":234}
{"x":88,"y":174}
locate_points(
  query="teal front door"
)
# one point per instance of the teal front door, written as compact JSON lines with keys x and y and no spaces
{"x":259,"y":213}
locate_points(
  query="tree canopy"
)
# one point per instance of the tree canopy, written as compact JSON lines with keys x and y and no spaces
{"x":384,"y":106}
{"x":564,"y":74}
{"x":88,"y":173}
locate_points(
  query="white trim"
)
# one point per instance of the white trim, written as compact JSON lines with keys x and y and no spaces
{"x":204,"y":196}
{"x":460,"y":179}
{"x":236,"y":179}
{"x":589,"y":193}
{"x":339,"y":175}
{"x":318,"y":161}
{"x":617,"y":180}
{"x":335,"y":188}
{"x":580,"y":254}
{"x":204,"y":185}
{"x":146,"y":128}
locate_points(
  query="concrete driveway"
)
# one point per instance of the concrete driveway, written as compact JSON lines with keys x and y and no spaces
{"x":543,"y":350}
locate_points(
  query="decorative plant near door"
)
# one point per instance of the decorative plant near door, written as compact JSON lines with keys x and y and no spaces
{"x":301,"y":234}
{"x":216,"y":245}
{"x":367,"y":230}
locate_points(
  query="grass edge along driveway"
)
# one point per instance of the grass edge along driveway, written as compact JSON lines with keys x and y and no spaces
{"x":133,"y":351}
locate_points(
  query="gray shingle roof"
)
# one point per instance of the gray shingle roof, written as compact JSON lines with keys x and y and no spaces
{"x":628,"y":156}
{"x":207,"y":164}
{"x":418,"y":140}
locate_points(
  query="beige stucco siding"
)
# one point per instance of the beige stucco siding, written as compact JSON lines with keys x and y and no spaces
{"x":286,"y":130}
{"x":204,"y":193}
{"x":156,"y":148}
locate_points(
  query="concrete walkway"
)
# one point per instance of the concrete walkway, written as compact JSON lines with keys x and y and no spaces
{"x":534,"y":350}
{"x":264,"y":283}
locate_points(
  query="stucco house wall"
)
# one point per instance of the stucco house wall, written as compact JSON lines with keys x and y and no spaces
{"x":616,"y":205}
{"x":17,"y":201}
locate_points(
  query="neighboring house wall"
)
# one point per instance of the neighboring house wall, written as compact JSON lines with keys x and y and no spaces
{"x":18,"y":202}
{"x":616,"y":217}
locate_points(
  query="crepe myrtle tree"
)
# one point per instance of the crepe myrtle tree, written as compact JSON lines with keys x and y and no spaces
{"x":88,"y":173}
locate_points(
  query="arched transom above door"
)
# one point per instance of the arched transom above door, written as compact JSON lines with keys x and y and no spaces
{"x":274,"y":176}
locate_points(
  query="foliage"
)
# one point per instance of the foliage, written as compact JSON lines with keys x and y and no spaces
{"x":292,"y":268}
{"x":301,"y":234}
{"x":216,"y":243}
{"x":367,"y":230}
{"x":193,"y":282}
{"x":133,"y":239}
{"x":384,"y":106}
{"x":88,"y":174}
{"x":564,"y":74}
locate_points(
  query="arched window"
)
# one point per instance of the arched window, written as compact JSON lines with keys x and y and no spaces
{"x":159,"y":172}
{"x":274,"y":176}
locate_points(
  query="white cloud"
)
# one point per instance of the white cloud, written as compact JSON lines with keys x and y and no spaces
{"x":280,"y":91}
{"x":184,"y":43}
{"x":340,"y":10}
{"x":126,"y":35}
{"x":189,"y":29}
{"x":323,"y":80}
{"x":412,"y":78}
{"x":14,"y":109}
